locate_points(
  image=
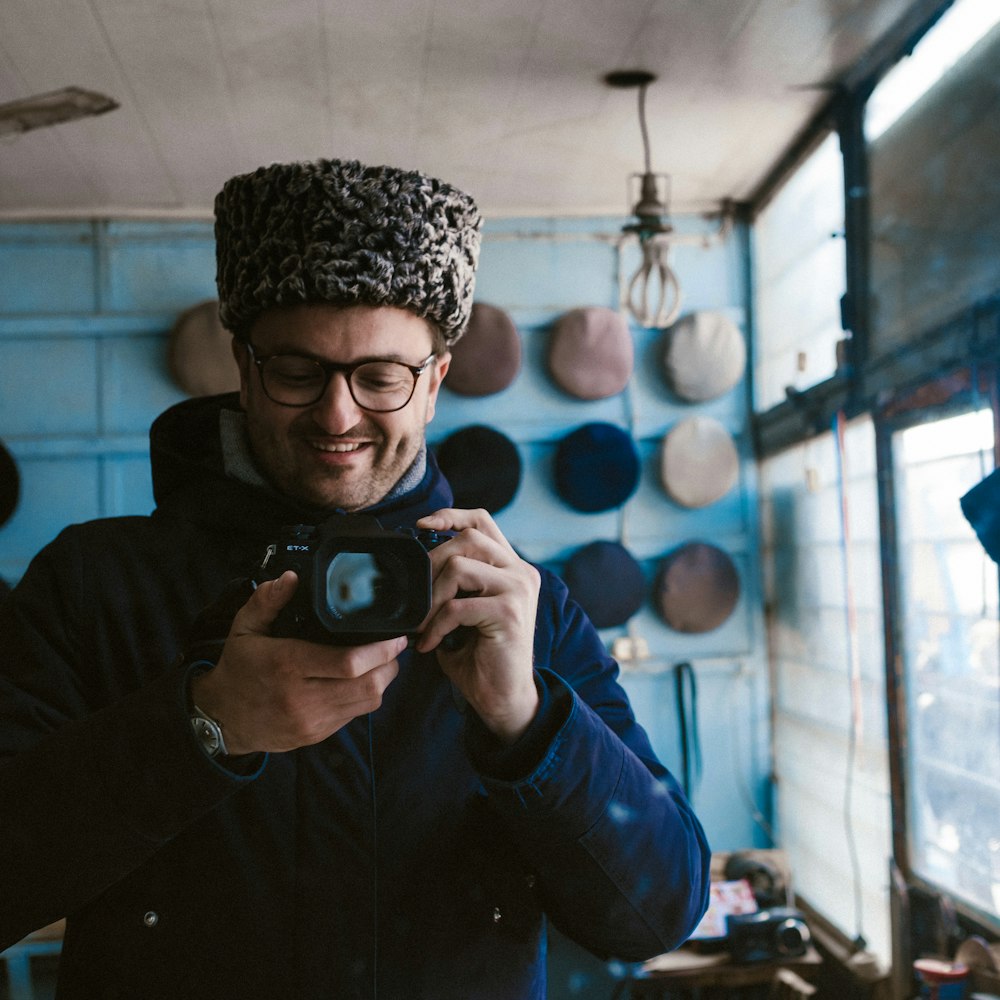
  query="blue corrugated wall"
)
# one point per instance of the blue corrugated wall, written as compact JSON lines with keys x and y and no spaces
{"x":85,"y":312}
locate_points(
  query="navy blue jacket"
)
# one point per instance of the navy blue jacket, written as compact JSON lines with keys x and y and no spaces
{"x":407,"y":856}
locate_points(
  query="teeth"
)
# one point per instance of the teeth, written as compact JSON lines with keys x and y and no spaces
{"x":337,"y":448}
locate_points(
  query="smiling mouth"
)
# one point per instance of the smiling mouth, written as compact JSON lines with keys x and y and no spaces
{"x":337,"y":449}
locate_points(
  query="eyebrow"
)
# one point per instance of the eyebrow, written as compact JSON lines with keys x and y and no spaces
{"x":398,"y":358}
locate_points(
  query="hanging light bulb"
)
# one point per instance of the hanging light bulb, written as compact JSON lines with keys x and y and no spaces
{"x":654,"y":294}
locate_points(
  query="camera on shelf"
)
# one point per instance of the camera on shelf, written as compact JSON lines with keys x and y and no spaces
{"x":358,"y":582}
{"x":768,"y":935}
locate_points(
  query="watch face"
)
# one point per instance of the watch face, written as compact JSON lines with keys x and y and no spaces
{"x":208,"y":734}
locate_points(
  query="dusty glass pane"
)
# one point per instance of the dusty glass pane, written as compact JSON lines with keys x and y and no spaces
{"x":951,"y":638}
{"x":800,"y":277}
{"x":826,"y":651}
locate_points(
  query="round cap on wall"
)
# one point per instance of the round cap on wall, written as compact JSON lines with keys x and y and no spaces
{"x":596,"y":467}
{"x":698,"y":462}
{"x":704,"y":356}
{"x":483,"y":467}
{"x":487,"y":358}
{"x":606,"y":581}
{"x":10,"y":485}
{"x":200,"y":353}
{"x":591,"y":354}
{"x":697,"y":588}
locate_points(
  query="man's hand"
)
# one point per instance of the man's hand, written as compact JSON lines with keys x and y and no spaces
{"x":493,"y":669}
{"x":280,"y":694}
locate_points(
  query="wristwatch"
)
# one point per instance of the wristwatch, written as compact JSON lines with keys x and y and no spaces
{"x":208,"y":734}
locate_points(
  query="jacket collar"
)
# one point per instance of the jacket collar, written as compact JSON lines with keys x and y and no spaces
{"x":190,"y":478}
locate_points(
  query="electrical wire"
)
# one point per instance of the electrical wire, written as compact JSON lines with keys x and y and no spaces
{"x":854,"y":674}
{"x":644,"y":129}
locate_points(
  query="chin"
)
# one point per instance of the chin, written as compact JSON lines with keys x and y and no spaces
{"x":341,"y":499}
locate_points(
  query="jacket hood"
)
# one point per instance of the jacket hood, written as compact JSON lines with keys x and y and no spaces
{"x":189,"y":478}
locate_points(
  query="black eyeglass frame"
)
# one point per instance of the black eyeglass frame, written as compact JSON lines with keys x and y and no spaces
{"x":330,"y":368}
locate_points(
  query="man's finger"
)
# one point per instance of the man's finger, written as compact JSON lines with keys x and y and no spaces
{"x":324,"y":663}
{"x":265,"y":603}
{"x":459,"y":519}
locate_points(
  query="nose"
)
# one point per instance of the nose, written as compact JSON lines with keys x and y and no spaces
{"x":335,"y":411}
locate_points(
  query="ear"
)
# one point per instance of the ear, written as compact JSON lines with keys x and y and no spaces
{"x":242,"y":357}
{"x":437,"y":373}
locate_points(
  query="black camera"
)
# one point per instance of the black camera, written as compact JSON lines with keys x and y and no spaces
{"x":776,"y":933}
{"x":358,"y":582}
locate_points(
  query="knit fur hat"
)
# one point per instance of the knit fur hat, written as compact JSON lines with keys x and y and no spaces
{"x":341,"y":232}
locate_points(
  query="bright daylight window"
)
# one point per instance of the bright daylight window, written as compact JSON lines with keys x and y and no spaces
{"x":800,"y":278}
{"x":959,"y":28}
{"x":820,"y":535}
{"x":950,"y":649}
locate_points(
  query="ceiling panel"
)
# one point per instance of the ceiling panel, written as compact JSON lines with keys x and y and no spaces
{"x":503,"y":97}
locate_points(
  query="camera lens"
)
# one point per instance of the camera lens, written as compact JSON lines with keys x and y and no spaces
{"x":792,"y":937}
{"x":359,"y":586}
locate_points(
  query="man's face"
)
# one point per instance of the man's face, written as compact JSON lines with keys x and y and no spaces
{"x":333,"y":454}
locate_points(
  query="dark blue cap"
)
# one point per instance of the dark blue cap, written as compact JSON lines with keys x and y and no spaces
{"x":483,"y":467}
{"x":10,"y":484}
{"x":596,"y":467}
{"x":981,"y":507}
{"x":606,"y":581}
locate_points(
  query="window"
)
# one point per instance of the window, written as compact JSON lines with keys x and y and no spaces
{"x":847,"y":538}
{"x":933,"y":196}
{"x":950,"y":640}
{"x":958,"y":30}
{"x":800,"y":279}
{"x":820,"y":535}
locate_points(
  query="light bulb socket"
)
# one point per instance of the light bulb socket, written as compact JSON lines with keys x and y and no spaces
{"x":649,"y":202}
{"x":650,"y":210}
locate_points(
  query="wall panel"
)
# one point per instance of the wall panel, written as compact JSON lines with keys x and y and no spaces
{"x":50,"y":387}
{"x":80,"y":435}
{"x":48,"y":268}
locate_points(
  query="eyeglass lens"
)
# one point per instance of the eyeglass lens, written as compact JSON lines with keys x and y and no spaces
{"x":375,"y":385}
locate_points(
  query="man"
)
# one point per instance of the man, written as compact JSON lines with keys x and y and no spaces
{"x":221,"y":811}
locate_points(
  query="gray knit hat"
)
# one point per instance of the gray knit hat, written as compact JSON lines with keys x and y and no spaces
{"x":341,"y":232}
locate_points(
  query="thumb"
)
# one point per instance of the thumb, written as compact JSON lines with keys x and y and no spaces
{"x":265,"y":603}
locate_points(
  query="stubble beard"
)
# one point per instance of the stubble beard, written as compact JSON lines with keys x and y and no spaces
{"x":285,"y":463}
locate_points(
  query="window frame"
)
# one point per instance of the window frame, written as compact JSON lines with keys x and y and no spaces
{"x":958,"y":391}
{"x":907,"y":387}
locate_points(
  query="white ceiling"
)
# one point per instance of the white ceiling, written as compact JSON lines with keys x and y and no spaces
{"x":502,"y":97}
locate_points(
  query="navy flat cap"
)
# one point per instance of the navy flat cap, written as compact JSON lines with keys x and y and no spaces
{"x":596,"y":467}
{"x":606,"y":581}
{"x":10,"y":485}
{"x":981,"y":507}
{"x":483,"y":467}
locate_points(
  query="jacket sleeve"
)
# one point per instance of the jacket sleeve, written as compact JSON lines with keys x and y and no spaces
{"x":96,"y":771}
{"x":622,"y":860}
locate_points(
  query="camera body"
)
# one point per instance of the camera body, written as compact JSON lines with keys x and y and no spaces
{"x":767,"y":935}
{"x":358,"y":582}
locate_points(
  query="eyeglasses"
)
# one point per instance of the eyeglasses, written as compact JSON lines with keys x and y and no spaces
{"x":375,"y":385}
